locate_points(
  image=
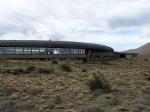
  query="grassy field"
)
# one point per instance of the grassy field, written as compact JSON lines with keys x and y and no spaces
{"x":51,"y":86}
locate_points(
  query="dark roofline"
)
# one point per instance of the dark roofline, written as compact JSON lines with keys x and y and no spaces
{"x":54,"y":44}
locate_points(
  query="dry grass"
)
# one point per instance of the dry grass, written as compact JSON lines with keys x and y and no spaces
{"x":58,"y":90}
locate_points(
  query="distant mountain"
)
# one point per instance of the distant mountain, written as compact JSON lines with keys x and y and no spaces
{"x":145,"y":49}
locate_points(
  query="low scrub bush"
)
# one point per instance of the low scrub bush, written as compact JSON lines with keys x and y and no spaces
{"x":146,"y":60}
{"x":7,"y":106}
{"x":17,"y":71}
{"x":107,"y":100}
{"x":53,"y":101}
{"x":130,"y":63}
{"x":16,"y":106}
{"x":147,"y":77}
{"x":6,"y":90}
{"x":24,"y":105}
{"x":84,"y":70}
{"x":46,"y":70}
{"x":66,"y":68}
{"x":6,"y":71}
{"x":98,"y":82}
{"x":54,"y":61}
{"x":33,"y":91}
{"x":91,"y":109}
{"x":30,"y":69}
{"x":146,"y":90}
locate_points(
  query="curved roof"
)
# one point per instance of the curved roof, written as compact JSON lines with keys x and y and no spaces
{"x":54,"y":44}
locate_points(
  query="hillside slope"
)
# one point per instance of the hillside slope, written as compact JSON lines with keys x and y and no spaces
{"x":45,"y":86}
{"x":145,"y":49}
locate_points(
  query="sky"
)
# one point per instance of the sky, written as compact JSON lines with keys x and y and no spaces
{"x":121,"y":24}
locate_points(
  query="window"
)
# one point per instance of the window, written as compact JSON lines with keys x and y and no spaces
{"x":18,"y":50}
{"x":32,"y":50}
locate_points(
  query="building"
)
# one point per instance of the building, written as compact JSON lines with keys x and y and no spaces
{"x":54,"y":50}
{"x":125,"y":55}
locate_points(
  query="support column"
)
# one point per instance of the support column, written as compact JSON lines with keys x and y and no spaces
{"x":88,"y":56}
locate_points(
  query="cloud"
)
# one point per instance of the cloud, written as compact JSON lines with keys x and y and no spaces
{"x":98,"y":21}
{"x":140,"y":19}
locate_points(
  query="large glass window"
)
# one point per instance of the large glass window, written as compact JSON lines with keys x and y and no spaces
{"x":18,"y":50}
{"x":32,"y":50}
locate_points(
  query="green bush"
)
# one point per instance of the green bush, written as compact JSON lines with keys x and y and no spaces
{"x":54,"y":61}
{"x":146,"y":90}
{"x":17,"y":71}
{"x":84,"y":70}
{"x":98,"y":82}
{"x":6,"y":90}
{"x":130,"y":63}
{"x":146,"y":60}
{"x":53,"y":101}
{"x":33,"y":91}
{"x":16,"y":106}
{"x":30,"y":69}
{"x":24,"y":105}
{"x":6,"y":71}
{"x":7,"y":106}
{"x":46,"y":70}
{"x":66,"y":68}
{"x":91,"y":109}
{"x":107,"y":100}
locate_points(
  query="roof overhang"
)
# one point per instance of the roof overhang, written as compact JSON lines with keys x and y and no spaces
{"x":54,"y":44}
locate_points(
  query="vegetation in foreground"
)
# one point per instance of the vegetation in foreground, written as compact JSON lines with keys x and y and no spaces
{"x":52,"y":86}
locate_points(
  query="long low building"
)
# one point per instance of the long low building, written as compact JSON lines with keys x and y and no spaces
{"x":54,"y":50}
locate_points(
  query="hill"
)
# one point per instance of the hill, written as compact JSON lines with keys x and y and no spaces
{"x":51,"y":86}
{"x":145,"y":49}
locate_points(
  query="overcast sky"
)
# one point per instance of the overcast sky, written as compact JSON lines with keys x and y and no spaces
{"x":121,"y":24}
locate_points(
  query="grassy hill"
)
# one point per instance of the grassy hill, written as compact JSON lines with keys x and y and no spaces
{"x":145,"y":49}
{"x":48,"y":86}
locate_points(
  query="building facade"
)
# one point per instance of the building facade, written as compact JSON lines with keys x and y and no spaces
{"x":54,"y":50}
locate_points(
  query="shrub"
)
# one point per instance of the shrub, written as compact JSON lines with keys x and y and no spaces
{"x":146,"y":90}
{"x":24,"y":105}
{"x":91,"y":109}
{"x":54,"y":61}
{"x":6,"y":71}
{"x":53,"y":101}
{"x":98,"y":82}
{"x":146,"y":60}
{"x":107,"y":100}
{"x":16,"y":106}
{"x":46,"y":70}
{"x":30,"y":69}
{"x":148,"y":77}
{"x":5,"y":90}
{"x":17,"y":71}
{"x":84,"y":70}
{"x":33,"y":91}
{"x":66,"y":68}
{"x":7,"y":106}
{"x":130,"y":63}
